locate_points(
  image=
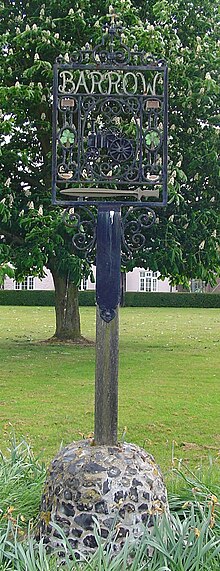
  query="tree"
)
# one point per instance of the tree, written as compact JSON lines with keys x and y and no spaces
{"x":185,"y":243}
{"x":33,"y":233}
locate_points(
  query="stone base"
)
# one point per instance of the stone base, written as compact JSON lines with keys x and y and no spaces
{"x":120,"y":487}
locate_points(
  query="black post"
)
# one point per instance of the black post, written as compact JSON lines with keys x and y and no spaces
{"x":108,"y":267}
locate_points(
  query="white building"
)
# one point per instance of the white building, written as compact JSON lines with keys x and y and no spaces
{"x":138,"y":280}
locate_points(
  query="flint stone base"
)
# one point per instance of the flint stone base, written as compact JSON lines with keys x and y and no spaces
{"x":120,"y":487}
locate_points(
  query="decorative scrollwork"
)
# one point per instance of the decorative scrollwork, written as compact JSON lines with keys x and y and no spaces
{"x":88,"y":104}
{"x":134,"y":228}
{"x":82,"y":222}
{"x":110,"y":123}
{"x":66,"y":171}
{"x":111,"y":107}
{"x":120,"y":56}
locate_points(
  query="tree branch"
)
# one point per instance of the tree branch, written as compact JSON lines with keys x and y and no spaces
{"x":12,"y":238}
{"x":31,"y":181}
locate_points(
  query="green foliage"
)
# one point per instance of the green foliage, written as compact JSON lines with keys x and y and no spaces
{"x":199,"y":488}
{"x":141,"y":299}
{"x":132,"y":299}
{"x":5,"y":270}
{"x":175,"y":548}
{"x":33,"y":231}
{"x":40,"y":298}
{"x":25,"y":297}
{"x":87,"y":298}
{"x":187,"y":544}
{"x":21,"y":480}
{"x":185,"y":244}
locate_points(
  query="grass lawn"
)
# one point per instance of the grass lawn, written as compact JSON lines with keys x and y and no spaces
{"x":168,"y":381}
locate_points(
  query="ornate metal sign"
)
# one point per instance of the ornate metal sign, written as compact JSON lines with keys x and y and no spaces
{"x":109,"y":151}
{"x":110,"y":125}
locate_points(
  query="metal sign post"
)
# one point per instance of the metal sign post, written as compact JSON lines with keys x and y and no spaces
{"x":109,"y":154}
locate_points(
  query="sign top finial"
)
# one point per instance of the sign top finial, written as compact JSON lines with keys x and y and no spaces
{"x":113,"y":29}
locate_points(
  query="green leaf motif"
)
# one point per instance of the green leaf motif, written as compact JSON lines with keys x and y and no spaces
{"x":67,"y":138}
{"x":152,"y":139}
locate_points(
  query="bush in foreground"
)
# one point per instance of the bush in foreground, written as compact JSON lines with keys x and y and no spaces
{"x":188,"y":541}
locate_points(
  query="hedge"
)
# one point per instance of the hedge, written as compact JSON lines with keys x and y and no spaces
{"x":40,"y":297}
{"x":139,"y":299}
{"x":132,"y":299}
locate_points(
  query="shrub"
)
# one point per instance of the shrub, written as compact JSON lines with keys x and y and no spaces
{"x":131,"y":299}
{"x":142,"y":299}
{"x":25,"y":297}
{"x":40,"y":297}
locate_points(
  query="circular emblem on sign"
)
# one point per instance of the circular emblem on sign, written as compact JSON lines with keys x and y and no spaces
{"x":92,"y":154}
{"x":121,"y":149}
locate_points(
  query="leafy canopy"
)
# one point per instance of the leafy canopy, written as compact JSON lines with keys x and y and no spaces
{"x":185,"y":243}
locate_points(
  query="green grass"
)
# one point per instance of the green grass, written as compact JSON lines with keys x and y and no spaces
{"x":22,"y":479}
{"x":188,"y":545}
{"x":168,"y":381}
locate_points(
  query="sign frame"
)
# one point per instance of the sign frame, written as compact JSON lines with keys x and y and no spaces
{"x":101,"y":75}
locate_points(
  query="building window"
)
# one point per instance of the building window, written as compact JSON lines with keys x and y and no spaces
{"x":197,"y":286}
{"x":148,"y":281}
{"x":84,"y":284}
{"x":28,"y":283}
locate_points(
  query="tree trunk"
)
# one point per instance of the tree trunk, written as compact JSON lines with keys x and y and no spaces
{"x":66,"y":308}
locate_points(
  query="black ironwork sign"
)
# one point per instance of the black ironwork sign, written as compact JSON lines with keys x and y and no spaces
{"x":110,"y":125}
{"x":109,"y":172}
